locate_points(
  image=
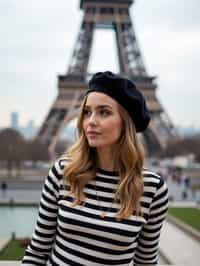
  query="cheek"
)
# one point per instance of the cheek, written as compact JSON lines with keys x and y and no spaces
{"x":114,"y":127}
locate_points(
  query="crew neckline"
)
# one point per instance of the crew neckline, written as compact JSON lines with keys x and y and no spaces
{"x":107,"y":172}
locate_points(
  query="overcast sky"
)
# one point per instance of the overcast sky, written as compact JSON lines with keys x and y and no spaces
{"x":37,"y":39}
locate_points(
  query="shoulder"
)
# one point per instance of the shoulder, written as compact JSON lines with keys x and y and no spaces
{"x":154,"y":180}
{"x":62,"y":162}
{"x":155,"y":191}
{"x":151,"y":176}
{"x":58,"y":167}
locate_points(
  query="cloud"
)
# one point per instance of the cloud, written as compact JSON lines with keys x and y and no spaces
{"x":168,"y":14}
{"x":169,"y":38}
{"x":38,"y":37}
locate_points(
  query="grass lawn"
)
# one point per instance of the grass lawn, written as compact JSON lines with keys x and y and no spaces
{"x":13,"y":251}
{"x":190,"y":216}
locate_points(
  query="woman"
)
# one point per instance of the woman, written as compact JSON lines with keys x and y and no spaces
{"x":99,"y":206}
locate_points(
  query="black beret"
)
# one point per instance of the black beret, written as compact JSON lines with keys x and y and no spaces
{"x":125,"y":93}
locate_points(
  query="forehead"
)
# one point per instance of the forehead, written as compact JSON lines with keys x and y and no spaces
{"x":98,"y":98}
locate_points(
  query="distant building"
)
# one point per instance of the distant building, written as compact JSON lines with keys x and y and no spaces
{"x":15,"y":120}
{"x":29,"y":130}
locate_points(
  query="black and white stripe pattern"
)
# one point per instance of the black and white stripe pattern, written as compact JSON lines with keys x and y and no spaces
{"x":79,"y":236}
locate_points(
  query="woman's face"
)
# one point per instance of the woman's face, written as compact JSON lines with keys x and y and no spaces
{"x":102,"y":123}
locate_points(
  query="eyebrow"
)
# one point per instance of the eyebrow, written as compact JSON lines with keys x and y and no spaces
{"x":100,"y":106}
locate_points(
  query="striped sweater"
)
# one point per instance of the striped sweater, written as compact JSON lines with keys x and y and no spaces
{"x":66,"y":235}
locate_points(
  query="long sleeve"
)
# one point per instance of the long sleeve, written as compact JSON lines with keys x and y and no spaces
{"x":148,"y":241}
{"x":39,"y":249}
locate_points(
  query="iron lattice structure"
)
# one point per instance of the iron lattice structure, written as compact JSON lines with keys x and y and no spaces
{"x":113,"y":14}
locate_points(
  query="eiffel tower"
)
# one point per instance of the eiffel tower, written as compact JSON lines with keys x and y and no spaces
{"x":115,"y":15}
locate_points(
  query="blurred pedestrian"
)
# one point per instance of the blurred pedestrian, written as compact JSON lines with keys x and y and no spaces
{"x":3,"y":187}
{"x":187,"y":182}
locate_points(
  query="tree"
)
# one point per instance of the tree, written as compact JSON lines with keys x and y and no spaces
{"x":36,"y":151}
{"x":61,"y":146}
{"x":183,"y":146}
{"x":12,"y":149}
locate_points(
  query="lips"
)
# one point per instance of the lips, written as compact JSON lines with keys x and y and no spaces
{"x":93,"y":133}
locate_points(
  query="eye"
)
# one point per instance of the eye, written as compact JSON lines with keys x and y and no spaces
{"x":104,"y":112}
{"x":86,"y":112}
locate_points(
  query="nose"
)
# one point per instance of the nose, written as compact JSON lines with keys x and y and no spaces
{"x":92,"y":119}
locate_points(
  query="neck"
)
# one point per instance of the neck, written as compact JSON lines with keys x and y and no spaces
{"x":106,"y":159}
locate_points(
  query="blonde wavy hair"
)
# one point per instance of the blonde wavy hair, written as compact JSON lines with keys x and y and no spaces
{"x":83,"y":164}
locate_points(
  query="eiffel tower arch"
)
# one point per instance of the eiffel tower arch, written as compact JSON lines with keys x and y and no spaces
{"x":113,"y":14}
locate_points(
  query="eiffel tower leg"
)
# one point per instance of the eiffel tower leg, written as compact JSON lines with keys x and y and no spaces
{"x":59,"y":115}
{"x":71,"y":88}
{"x":80,"y":58}
{"x":130,"y":58}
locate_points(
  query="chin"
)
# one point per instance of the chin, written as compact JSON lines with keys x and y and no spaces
{"x":94,"y":144}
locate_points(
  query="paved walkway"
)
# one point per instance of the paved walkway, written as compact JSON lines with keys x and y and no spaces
{"x":4,"y":242}
{"x":10,"y":263}
{"x":179,"y":247}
